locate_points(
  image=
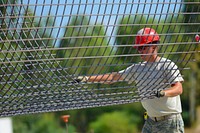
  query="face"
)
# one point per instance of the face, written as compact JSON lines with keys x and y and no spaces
{"x":148,"y":53}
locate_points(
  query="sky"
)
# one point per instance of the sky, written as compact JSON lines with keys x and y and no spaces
{"x":105,"y":12}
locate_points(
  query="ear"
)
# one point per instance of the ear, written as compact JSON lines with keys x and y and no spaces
{"x":155,"y":47}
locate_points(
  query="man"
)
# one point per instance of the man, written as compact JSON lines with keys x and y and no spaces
{"x":154,"y":74}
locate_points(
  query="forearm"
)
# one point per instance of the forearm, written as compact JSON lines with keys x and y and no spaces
{"x":100,"y":78}
{"x":174,"y":90}
{"x":105,"y":78}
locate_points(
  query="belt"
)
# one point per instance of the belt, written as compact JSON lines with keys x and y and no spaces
{"x":156,"y":119}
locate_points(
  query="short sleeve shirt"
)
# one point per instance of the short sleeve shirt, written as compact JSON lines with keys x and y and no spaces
{"x":150,"y":77}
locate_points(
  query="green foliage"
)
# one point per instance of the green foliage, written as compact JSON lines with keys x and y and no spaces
{"x":126,"y":42}
{"x":192,"y":14}
{"x":115,"y":122}
{"x":41,"y":123}
{"x":82,"y":118}
{"x":75,"y":47}
{"x":129,"y":117}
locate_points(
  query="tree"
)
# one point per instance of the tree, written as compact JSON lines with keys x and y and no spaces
{"x":128,"y":26}
{"x":87,"y":52}
{"x":39,"y":123}
{"x":83,"y":39}
{"x":85,"y":47}
{"x":192,"y":17}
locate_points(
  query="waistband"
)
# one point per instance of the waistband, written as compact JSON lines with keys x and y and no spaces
{"x":156,"y":119}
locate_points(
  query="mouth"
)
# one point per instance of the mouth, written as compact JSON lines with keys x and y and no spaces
{"x":142,"y":56}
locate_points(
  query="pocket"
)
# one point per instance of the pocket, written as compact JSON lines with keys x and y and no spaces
{"x":180,"y":125}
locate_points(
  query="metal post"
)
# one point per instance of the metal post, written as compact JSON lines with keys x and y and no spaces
{"x":65,"y":118}
{"x":6,"y":125}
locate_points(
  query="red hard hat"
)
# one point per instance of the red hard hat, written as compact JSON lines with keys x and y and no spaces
{"x":145,"y":36}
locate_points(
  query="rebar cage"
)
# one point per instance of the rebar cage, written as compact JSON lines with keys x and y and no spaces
{"x":45,"y":44}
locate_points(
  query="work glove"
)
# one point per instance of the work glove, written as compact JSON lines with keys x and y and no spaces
{"x":81,"y":79}
{"x":160,"y":94}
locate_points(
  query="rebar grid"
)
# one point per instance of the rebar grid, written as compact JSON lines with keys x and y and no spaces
{"x":46,"y":44}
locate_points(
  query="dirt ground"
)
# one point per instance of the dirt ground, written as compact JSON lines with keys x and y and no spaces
{"x":192,"y":130}
{"x":189,"y":130}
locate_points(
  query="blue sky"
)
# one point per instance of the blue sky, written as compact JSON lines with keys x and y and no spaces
{"x":62,"y":9}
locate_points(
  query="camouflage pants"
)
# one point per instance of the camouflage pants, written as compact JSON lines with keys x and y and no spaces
{"x":171,"y":125}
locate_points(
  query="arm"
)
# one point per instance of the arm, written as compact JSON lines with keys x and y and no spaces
{"x":174,"y":90}
{"x":173,"y":75}
{"x":105,"y":78}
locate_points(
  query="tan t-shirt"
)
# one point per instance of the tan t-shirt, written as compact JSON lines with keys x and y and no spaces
{"x":150,"y":77}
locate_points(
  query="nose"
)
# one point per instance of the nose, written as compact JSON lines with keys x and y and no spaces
{"x":141,"y":51}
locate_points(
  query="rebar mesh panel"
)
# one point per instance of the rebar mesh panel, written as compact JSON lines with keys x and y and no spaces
{"x":46,"y":44}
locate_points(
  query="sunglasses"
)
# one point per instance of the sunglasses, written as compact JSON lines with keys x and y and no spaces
{"x":143,"y":48}
{"x":140,"y":48}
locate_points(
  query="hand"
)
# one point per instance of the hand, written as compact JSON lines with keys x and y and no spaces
{"x":81,"y":79}
{"x":160,"y":94}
